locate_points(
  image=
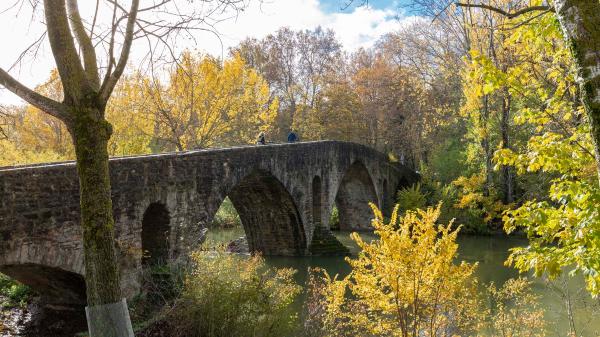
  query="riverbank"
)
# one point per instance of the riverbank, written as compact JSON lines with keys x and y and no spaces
{"x":36,"y":319}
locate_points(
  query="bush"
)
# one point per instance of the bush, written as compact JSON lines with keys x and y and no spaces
{"x":161,"y":286}
{"x":451,"y":195}
{"x":486,"y":208}
{"x":411,"y":197}
{"x":515,"y":310}
{"x":334,"y":219}
{"x":230,"y":295}
{"x":403,"y":284}
{"x":17,"y":294}
{"x":408,"y":283}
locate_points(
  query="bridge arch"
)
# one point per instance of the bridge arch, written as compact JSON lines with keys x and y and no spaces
{"x":356,"y":190}
{"x":269,"y":215}
{"x":156,"y":230}
{"x":55,"y":285}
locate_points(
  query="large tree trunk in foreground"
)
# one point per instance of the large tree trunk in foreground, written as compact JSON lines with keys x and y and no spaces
{"x":90,"y":134}
{"x":580,"y":21}
{"x":107,"y":311}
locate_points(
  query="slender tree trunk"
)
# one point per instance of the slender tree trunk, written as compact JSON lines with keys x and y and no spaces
{"x":485,"y":145}
{"x":580,"y":22}
{"x":91,"y":132}
{"x":507,"y":174}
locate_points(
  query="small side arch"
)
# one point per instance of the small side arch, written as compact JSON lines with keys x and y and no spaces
{"x":355,"y":192}
{"x":156,"y":230}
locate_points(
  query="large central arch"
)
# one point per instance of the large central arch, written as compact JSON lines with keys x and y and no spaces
{"x":354,"y":194}
{"x":269,"y":215}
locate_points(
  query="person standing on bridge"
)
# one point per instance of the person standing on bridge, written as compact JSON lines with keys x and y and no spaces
{"x":261,"y":139}
{"x":293,"y":137}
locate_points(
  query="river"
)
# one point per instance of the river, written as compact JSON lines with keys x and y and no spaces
{"x":489,"y":252}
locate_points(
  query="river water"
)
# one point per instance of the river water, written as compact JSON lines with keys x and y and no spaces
{"x":490,"y":252}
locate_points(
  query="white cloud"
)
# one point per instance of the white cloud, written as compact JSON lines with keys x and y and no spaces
{"x":360,"y":27}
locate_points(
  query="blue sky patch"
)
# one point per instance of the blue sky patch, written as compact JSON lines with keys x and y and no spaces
{"x":330,"y":6}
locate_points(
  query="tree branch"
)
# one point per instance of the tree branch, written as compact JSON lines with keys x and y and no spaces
{"x":505,"y":13}
{"x":111,"y":81}
{"x":85,"y":43}
{"x":72,"y":74}
{"x":41,"y":102}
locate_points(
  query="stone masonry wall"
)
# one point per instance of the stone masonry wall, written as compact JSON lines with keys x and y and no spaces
{"x":39,"y":205}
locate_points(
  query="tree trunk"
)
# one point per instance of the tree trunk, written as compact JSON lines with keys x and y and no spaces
{"x":485,"y":145}
{"x":90,"y":136}
{"x":580,"y":22}
{"x":507,"y":174}
{"x":107,"y":312}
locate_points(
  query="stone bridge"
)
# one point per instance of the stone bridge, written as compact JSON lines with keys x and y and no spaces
{"x":284,"y":194}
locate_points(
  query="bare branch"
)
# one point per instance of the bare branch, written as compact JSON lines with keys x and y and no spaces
{"x":41,"y":102}
{"x":112,"y":79}
{"x":85,"y":43}
{"x":505,"y":13}
{"x":32,"y":47}
{"x":349,"y":3}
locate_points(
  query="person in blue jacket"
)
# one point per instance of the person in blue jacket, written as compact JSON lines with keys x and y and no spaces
{"x":292,"y":137}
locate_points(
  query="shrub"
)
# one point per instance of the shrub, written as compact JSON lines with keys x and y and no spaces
{"x":453,"y":196}
{"x":334,"y":219}
{"x":403,"y":284}
{"x":470,"y":220}
{"x":473,"y":199}
{"x":230,"y":295}
{"x":411,"y":197}
{"x":161,"y":286}
{"x":515,"y":310}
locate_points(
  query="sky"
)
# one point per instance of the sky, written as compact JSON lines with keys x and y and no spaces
{"x":354,"y":27}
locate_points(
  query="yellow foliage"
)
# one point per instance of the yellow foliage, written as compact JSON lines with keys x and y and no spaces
{"x":336,"y":115}
{"x":472,"y":197}
{"x":12,"y":155}
{"x":405,"y":283}
{"x":132,"y":127}
{"x":515,"y":310}
{"x":206,"y":104}
{"x":39,"y":136}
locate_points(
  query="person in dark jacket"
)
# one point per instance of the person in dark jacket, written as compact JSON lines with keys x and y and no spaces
{"x":261,"y":139}
{"x":293,"y":137}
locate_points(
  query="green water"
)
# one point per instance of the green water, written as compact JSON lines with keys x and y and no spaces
{"x":490,"y":253}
